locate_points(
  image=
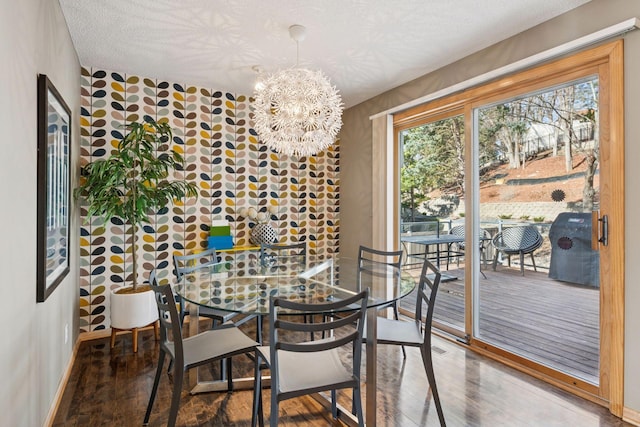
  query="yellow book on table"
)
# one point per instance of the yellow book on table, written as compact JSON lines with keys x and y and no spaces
{"x":240,"y":248}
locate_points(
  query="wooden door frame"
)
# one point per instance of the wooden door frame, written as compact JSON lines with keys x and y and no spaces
{"x":606,"y":61}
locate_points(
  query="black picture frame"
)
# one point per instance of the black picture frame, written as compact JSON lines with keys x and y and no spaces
{"x":54,"y":188}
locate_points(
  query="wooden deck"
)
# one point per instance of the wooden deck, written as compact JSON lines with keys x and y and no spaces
{"x":551,"y":322}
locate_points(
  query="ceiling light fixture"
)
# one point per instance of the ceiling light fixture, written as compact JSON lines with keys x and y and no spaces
{"x":297,"y":111}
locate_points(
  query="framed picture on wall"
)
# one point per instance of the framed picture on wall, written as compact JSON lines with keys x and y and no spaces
{"x":54,"y":188}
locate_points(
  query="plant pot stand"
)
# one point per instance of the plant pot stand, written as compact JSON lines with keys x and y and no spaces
{"x":131,"y":312}
{"x":134,"y":332}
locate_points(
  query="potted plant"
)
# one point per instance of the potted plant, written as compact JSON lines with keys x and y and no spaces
{"x":130,"y":184}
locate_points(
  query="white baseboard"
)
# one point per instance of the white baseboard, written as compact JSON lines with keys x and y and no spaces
{"x":105,"y":333}
{"x":631,"y":416}
{"x":53,"y":410}
{"x":94,"y":335}
{"x":82,"y":337}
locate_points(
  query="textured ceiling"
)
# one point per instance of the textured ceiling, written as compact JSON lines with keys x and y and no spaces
{"x":365,"y":47}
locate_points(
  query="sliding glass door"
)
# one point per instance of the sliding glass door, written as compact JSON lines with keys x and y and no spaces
{"x":515,"y":190}
{"x":432,"y":177}
{"x":538,"y":185}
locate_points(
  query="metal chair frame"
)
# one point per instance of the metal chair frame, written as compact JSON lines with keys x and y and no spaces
{"x":303,"y":371}
{"x":484,"y":241}
{"x":271,"y":258}
{"x":191,"y":352}
{"x":519,"y":240}
{"x":368,"y":255}
{"x":418,"y":332}
{"x":270,"y":255}
{"x":185,"y":264}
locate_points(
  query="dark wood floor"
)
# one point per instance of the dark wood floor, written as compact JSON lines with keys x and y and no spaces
{"x":111,"y":388}
{"x":554,"y":323}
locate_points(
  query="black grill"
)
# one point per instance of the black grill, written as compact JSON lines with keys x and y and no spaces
{"x":572,"y":259}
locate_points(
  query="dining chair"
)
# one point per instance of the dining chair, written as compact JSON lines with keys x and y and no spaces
{"x":283,"y":257}
{"x":185,"y":264}
{"x":302,"y":368}
{"x":279,"y":256}
{"x":418,"y":332}
{"x":369,"y":259}
{"x":186,"y":353}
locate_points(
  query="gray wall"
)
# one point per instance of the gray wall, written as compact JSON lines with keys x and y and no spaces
{"x":33,"y":355}
{"x":355,"y":148}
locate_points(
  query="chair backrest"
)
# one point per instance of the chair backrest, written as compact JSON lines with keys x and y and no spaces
{"x":369,"y":256}
{"x":183,"y":264}
{"x":371,"y":260}
{"x":281,"y":337}
{"x":459,"y":231}
{"x":170,"y":325}
{"x":426,"y":295}
{"x":279,"y":256}
{"x":524,"y":238}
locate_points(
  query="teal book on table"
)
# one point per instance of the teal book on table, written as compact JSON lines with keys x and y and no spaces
{"x":220,"y":242}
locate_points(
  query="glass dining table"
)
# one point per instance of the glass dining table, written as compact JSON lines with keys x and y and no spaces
{"x":245,"y":285}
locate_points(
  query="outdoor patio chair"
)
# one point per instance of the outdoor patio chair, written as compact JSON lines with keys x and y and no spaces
{"x":418,"y":332}
{"x":191,"y":352}
{"x":484,"y":239}
{"x":520,"y":240}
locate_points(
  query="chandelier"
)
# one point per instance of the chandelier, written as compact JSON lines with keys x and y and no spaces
{"x":297,"y":111}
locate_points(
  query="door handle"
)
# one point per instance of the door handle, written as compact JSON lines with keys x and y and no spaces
{"x":604,"y":230}
{"x":599,"y":230}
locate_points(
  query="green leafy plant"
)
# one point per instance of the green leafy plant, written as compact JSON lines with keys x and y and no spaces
{"x":524,"y":217}
{"x":538,"y":219}
{"x":505,"y":216}
{"x":133,"y":181}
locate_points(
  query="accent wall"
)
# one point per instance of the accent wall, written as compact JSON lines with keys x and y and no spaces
{"x":222,"y":156}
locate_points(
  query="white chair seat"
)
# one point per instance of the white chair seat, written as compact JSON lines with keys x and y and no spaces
{"x":213,"y":344}
{"x":222,"y":315}
{"x":295,"y":372}
{"x":392,"y":331}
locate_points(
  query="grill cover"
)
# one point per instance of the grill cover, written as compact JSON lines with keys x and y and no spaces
{"x":572,"y":259}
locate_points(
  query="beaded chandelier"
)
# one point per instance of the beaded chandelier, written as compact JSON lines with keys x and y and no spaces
{"x":297,"y":111}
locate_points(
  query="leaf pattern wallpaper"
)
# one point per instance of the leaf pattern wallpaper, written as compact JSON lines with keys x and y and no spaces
{"x":222,"y":155}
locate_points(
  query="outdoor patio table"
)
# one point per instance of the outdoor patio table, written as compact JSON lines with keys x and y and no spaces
{"x":246,"y":286}
{"x":434,"y":240}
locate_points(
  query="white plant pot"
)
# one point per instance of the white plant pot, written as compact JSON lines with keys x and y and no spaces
{"x":130,"y":311}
